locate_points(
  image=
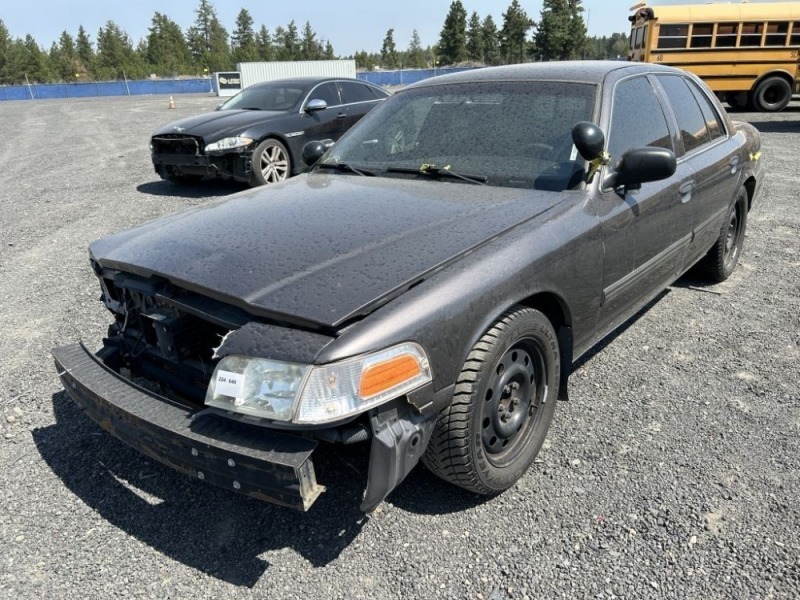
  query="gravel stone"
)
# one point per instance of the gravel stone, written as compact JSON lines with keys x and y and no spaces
{"x":686,"y":425}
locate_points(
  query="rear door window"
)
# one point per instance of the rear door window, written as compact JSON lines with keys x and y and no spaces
{"x":692,"y":123}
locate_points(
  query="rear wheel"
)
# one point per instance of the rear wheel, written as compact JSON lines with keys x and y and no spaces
{"x":271,"y":163}
{"x":502,"y":407}
{"x":772,"y":94}
{"x":721,"y":260}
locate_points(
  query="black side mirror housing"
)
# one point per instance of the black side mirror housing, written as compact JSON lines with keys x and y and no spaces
{"x":588,"y":139}
{"x":313,"y":151}
{"x":641,"y":165}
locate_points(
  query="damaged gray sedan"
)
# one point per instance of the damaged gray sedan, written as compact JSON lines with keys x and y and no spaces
{"x":425,"y":288}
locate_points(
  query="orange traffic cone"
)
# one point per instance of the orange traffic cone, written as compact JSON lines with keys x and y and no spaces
{"x":171,"y":103}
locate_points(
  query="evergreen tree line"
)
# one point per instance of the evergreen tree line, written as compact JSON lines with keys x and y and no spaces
{"x":206,"y":46}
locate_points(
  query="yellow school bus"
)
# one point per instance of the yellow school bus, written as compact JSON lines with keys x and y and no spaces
{"x":749,"y":53}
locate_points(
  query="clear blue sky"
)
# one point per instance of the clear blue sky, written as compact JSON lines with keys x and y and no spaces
{"x":350,"y":25}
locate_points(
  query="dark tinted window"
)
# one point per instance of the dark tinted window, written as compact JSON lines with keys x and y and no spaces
{"x":691,"y":122}
{"x":673,"y":36}
{"x":636,"y":119}
{"x":795,"y":39}
{"x":326,"y":92}
{"x":701,"y":35}
{"x":710,"y":114}
{"x":726,"y":35}
{"x":355,"y":92}
{"x":751,"y":34}
{"x":776,"y":34}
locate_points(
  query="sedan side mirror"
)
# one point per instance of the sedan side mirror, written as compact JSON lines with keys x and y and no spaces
{"x":313,"y":151}
{"x":588,"y":139}
{"x":641,"y":165}
{"x":316,"y":105}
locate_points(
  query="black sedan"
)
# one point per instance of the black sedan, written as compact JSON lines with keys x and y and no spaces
{"x":257,"y":135}
{"x":426,"y":289}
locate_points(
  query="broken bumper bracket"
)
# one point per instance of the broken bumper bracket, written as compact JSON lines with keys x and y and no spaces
{"x":268,"y":465}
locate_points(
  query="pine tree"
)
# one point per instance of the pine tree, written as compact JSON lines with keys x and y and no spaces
{"x":5,"y":44}
{"x":513,"y":42}
{"x":208,"y":40}
{"x":83,"y":46}
{"x":243,"y":39}
{"x":415,"y":55}
{"x":389,"y":58}
{"x":491,"y":41}
{"x":475,"y":38}
{"x":166,"y":51}
{"x":115,"y":57}
{"x":310,"y":48}
{"x":264,"y":44}
{"x":453,"y":38}
{"x":562,"y":33}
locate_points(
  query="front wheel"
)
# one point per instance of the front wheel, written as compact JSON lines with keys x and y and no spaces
{"x":271,"y":163}
{"x":772,"y":94}
{"x":503,"y":404}
{"x":721,"y":259}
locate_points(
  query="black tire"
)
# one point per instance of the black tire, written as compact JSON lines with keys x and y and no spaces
{"x":772,"y":94}
{"x":721,"y":259}
{"x":271,"y":163}
{"x":502,"y":407}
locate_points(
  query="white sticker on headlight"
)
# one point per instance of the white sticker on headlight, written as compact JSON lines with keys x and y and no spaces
{"x":230,"y":384}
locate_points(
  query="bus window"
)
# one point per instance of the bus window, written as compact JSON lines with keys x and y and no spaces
{"x":701,"y":35}
{"x":776,"y":34}
{"x":795,"y":41}
{"x":726,"y":35}
{"x":751,"y":34}
{"x":637,"y":43}
{"x":673,"y":36}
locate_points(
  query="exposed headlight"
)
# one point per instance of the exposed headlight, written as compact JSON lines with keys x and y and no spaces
{"x":229,"y":143}
{"x":310,"y":394}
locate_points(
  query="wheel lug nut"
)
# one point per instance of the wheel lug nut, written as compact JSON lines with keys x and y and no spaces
{"x":515,"y":402}
{"x":515,"y":386}
{"x":507,"y":390}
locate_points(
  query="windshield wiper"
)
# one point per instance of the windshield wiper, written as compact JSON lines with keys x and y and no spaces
{"x":346,"y":168}
{"x":434,"y":171}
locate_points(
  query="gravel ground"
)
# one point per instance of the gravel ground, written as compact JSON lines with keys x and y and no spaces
{"x":673,"y":472}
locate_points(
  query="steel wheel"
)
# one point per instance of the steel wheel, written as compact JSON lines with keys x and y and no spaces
{"x":723,"y":256}
{"x":271,"y":163}
{"x":513,"y":401}
{"x":502,"y":407}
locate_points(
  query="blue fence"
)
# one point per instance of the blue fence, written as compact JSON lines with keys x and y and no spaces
{"x":40,"y":91}
{"x":406,"y":76}
{"x":94,"y":89}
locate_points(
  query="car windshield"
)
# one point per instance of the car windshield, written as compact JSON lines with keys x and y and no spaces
{"x":510,"y":134}
{"x":268,"y":97}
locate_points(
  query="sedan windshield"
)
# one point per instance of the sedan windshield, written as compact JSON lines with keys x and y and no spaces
{"x":270,"y":97}
{"x":511,"y":134}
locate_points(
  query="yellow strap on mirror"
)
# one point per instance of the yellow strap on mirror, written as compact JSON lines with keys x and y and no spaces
{"x":602,"y":159}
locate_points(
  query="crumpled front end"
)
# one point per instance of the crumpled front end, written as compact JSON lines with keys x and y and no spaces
{"x":149,"y":386}
{"x":180,"y":155}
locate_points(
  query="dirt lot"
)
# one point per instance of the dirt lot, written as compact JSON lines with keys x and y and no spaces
{"x":674,"y":472}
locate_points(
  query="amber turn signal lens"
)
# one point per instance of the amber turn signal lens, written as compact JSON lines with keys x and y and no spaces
{"x":382,"y":376}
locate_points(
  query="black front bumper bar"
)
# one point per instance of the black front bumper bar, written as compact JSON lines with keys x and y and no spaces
{"x":268,"y":465}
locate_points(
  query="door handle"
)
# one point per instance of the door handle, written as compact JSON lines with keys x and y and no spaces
{"x":686,"y":190}
{"x":734,"y":164}
{"x":341,"y":116}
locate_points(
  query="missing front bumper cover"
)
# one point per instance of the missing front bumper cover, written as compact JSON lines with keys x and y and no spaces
{"x":268,"y":465}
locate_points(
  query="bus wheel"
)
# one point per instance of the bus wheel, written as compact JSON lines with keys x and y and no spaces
{"x":772,"y":94}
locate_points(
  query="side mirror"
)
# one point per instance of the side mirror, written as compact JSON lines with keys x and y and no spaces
{"x":316,"y":105}
{"x":588,"y":139}
{"x":641,"y":165}
{"x":313,"y":151}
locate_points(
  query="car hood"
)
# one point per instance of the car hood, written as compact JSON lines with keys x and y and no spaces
{"x":216,"y":125}
{"x":320,"y":249}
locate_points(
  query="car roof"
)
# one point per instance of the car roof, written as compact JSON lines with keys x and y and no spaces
{"x":584,"y":71}
{"x":304,"y":81}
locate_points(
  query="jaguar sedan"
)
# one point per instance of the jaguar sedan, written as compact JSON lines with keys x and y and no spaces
{"x":425,"y":289}
{"x":257,"y":135}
